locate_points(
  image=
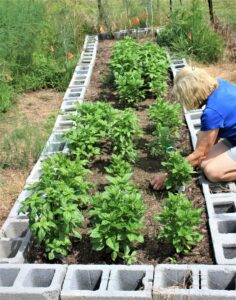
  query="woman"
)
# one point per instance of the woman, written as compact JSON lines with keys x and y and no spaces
{"x":195,"y":88}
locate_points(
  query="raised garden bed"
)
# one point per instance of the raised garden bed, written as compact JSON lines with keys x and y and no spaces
{"x":152,"y":251}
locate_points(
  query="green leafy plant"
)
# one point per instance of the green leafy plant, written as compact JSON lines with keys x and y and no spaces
{"x":179,"y":222}
{"x":119,"y":167}
{"x":138,"y":68}
{"x":178,"y":169}
{"x":130,"y":87}
{"x":53,"y":208}
{"x":166,"y":118}
{"x":117,"y":219}
{"x":123,"y":133}
{"x":92,"y":124}
{"x":162,"y":142}
{"x":166,"y":114}
{"x":154,"y":66}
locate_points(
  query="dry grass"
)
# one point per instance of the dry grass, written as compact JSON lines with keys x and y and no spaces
{"x":36,"y":107}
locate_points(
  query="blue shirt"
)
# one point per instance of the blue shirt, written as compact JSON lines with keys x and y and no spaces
{"x":220,"y":111}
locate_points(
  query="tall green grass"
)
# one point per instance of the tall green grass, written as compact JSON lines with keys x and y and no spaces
{"x":188,"y":33}
{"x":35,"y":39}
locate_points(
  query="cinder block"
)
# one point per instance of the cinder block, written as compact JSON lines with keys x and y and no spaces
{"x":218,"y":282}
{"x":63,"y":123}
{"x":176,"y":282}
{"x":76,"y":93}
{"x":14,"y":228}
{"x":14,"y":213}
{"x":31,"y":281}
{"x":131,"y":282}
{"x":69,"y":106}
{"x":86,"y":282}
{"x":223,"y":233}
{"x":35,"y":173}
{"x":14,"y":250}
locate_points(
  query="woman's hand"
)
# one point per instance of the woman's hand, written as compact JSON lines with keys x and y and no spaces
{"x":158,"y":181}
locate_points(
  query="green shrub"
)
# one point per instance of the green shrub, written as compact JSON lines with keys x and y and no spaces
{"x":189,"y":34}
{"x":178,"y":222}
{"x":54,"y":207}
{"x":123,"y":134}
{"x":7,"y":95}
{"x":179,"y":170}
{"x":117,"y":219}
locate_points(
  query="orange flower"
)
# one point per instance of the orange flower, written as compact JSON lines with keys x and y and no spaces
{"x":190,"y":35}
{"x":102,"y":29}
{"x":137,"y":21}
{"x":70,"y":55}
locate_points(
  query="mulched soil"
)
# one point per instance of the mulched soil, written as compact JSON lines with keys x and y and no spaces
{"x":152,"y":251}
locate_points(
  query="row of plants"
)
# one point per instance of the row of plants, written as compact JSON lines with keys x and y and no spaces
{"x":64,"y":198}
{"x":138,"y":69}
{"x":148,"y":63}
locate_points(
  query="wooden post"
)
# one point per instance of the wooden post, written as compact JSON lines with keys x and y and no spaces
{"x":211,"y":12}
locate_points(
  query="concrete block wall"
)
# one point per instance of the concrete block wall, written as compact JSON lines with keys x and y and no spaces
{"x":220,"y":197}
{"x":117,"y":282}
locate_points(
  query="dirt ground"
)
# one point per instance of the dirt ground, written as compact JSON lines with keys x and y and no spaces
{"x":37,"y":107}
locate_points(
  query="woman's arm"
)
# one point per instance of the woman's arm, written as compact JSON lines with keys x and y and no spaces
{"x":205,"y":141}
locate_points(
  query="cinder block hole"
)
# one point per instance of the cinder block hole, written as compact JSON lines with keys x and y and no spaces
{"x":75,"y":90}
{"x":56,"y":146}
{"x":16,"y":229}
{"x":181,"y":279}
{"x":8,"y":249}
{"x":196,"y":116}
{"x":224,"y":208}
{"x":227,"y":226}
{"x":82,"y":72}
{"x":216,"y":188}
{"x":177,"y":62}
{"x":78,"y":82}
{"x":39,"y":278}
{"x":229,"y":251}
{"x":8,"y":276}
{"x":74,"y":95}
{"x":89,"y":280}
{"x":220,"y":280}
{"x":130,"y":280}
{"x":180,"y":66}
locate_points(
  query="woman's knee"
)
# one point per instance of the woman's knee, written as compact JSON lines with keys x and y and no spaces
{"x":212,"y":173}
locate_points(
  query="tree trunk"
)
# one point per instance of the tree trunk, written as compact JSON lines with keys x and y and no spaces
{"x":170,"y":5}
{"x":100,"y":12}
{"x":211,"y":12}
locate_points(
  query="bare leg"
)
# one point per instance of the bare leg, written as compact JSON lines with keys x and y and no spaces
{"x":218,"y":165}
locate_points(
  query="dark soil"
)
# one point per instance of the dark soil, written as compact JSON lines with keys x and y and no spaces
{"x":152,"y":251}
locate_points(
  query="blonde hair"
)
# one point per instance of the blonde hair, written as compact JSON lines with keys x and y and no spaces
{"x":192,"y":87}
